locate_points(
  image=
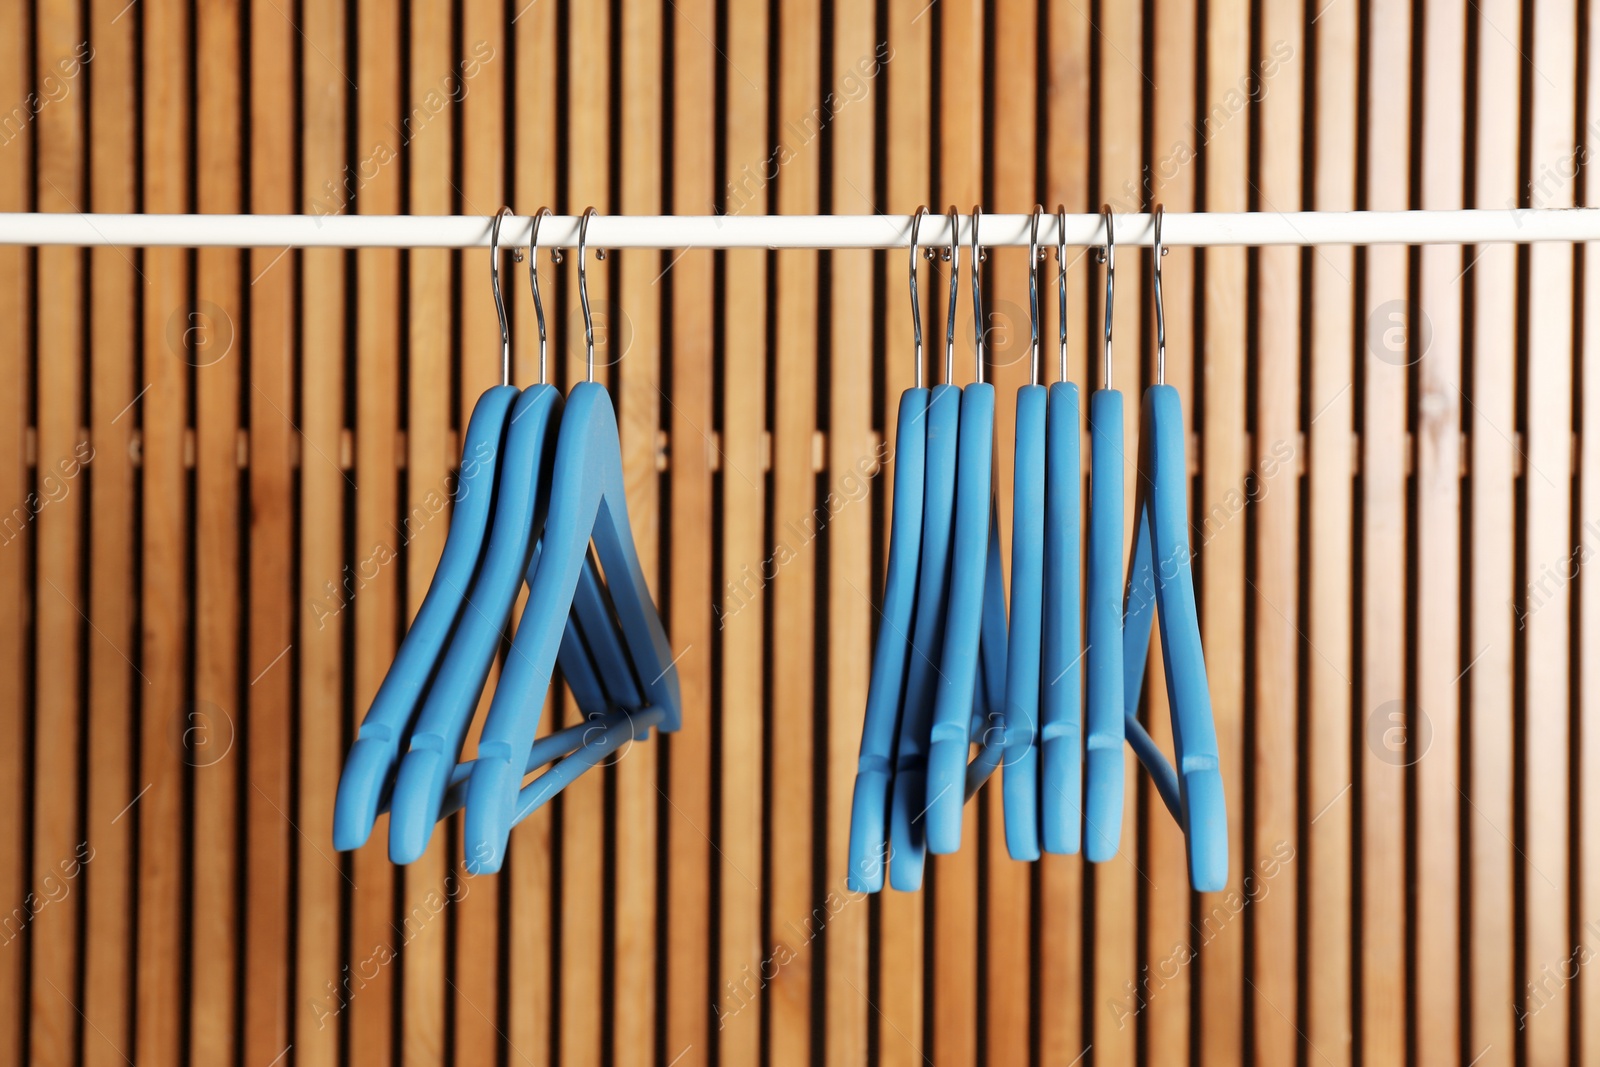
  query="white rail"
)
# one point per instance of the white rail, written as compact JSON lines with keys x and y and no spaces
{"x":798,"y":231}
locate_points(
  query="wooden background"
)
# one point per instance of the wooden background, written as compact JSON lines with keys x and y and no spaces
{"x":221,"y":470}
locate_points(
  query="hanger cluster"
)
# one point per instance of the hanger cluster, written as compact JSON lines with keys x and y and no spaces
{"x":1051,"y":694}
{"x":540,"y":500}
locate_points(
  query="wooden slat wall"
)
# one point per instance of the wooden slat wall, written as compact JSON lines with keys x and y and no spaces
{"x":215,"y":460}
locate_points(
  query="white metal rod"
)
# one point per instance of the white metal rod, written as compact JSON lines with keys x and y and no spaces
{"x":797,"y":231}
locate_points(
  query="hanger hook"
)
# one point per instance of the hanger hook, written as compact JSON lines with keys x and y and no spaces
{"x":978,"y":256}
{"x":916,"y":310}
{"x":1108,"y":256}
{"x":499,"y":300}
{"x":1034,"y":255}
{"x":583,"y":283}
{"x":1061,"y":283}
{"x":1161,"y":314}
{"x":533,"y":283}
{"x":953,"y":257}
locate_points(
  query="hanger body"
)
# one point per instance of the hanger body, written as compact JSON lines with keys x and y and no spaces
{"x":1061,"y":674}
{"x":1160,"y":581}
{"x":869,"y":806}
{"x":1103,"y":656}
{"x":587,"y":502}
{"x":1020,"y":784}
{"x":988,"y":727}
{"x":368,"y":777}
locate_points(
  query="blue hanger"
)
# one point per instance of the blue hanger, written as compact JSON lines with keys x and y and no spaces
{"x":427,"y":769}
{"x":1020,"y":787}
{"x":1061,"y":790}
{"x":587,"y":502}
{"x":988,"y":727}
{"x":950,"y":739}
{"x":1195,"y":798}
{"x":1103,"y":806}
{"x":869,"y":806}
{"x":907,"y":825}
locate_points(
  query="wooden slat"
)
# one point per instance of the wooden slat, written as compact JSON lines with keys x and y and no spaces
{"x":1439,"y":664}
{"x":270,"y":661}
{"x":370,"y":1012}
{"x":211,"y":722}
{"x":953,"y":879}
{"x":741,"y":602}
{"x":1587,"y":639}
{"x":1163,"y":1008}
{"x":1224,"y":461}
{"x":164,"y":598}
{"x":1386,"y":708}
{"x":634,"y":922}
{"x":319,"y":1020}
{"x":1274,"y":833}
{"x":1062,"y":1028}
{"x":474,"y":983}
{"x":113,"y":685}
{"x":59,"y":600}
{"x":528,"y":963}
{"x":898,"y":1021}
{"x":852,"y":458}
{"x":1546,"y":613}
{"x":1331,"y":399}
{"x":790,"y":843}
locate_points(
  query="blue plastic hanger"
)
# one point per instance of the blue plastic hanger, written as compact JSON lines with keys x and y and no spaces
{"x":950,"y":738}
{"x":1195,"y":798}
{"x":1103,"y":804}
{"x":430,"y":765}
{"x":587,"y":503}
{"x":869,"y":805}
{"x":1020,"y":785}
{"x":1061,"y":735}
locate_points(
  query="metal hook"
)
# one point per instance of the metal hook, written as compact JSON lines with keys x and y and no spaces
{"x":978,"y":256}
{"x":1161,"y":314}
{"x":583,"y":283}
{"x":1061,"y":283}
{"x":1108,"y":256}
{"x":499,"y":300}
{"x":1034,"y":255}
{"x":916,"y":310}
{"x":533,"y":283}
{"x":953,"y":257}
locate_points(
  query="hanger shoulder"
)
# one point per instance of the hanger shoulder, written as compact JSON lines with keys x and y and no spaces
{"x":1061,"y":667}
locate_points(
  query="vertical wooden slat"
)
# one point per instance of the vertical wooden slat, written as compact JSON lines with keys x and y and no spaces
{"x":852,"y":459}
{"x":1224,"y":461}
{"x":1439,"y":665}
{"x":1387,"y":713}
{"x":113,"y":685}
{"x":1118,"y":882}
{"x":690,"y":421}
{"x":164,"y":602}
{"x":319,"y":1017}
{"x":377,"y":504}
{"x":1547,"y":480}
{"x":211,"y":723}
{"x":741,"y":602}
{"x":528,"y":963}
{"x":269,"y":665}
{"x":1165,"y":975}
{"x":1329,"y":463}
{"x":1587,"y":650}
{"x":1062,"y":1027}
{"x":898,"y":1022}
{"x":1008,"y":922}
{"x":634,"y":337}
{"x":1495,"y":458}
{"x":953,"y":879}
{"x":58,"y":595}
{"x":1274,"y":830}
{"x":476,"y":914}
{"x":790,"y":842}
{"x":433,"y":896}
